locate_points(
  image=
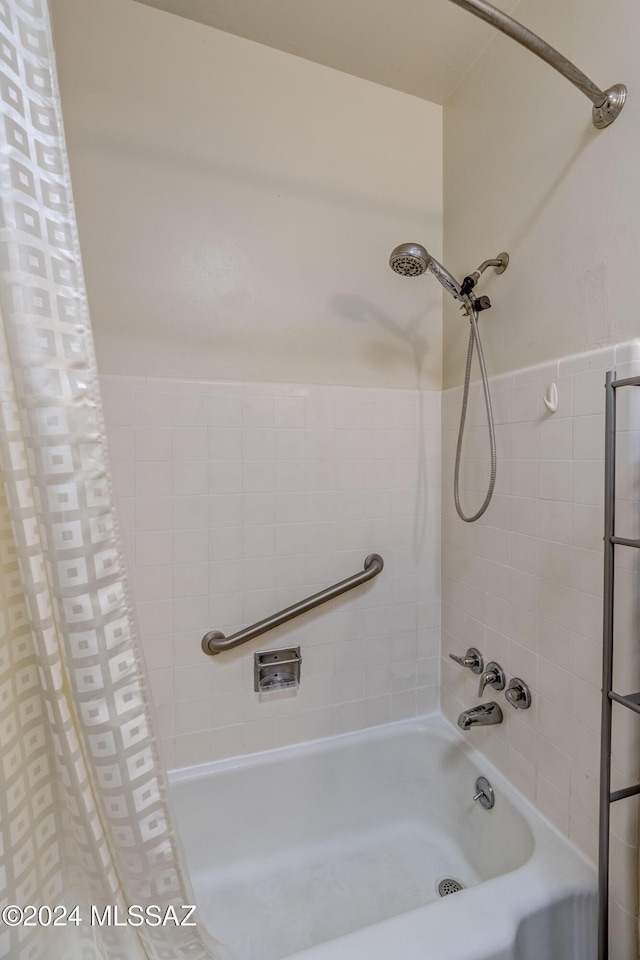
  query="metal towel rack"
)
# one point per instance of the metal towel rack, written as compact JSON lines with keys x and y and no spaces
{"x":632,"y":700}
{"x":215,"y":642}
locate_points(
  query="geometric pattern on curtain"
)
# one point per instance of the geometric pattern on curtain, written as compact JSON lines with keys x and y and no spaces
{"x":84,"y":815}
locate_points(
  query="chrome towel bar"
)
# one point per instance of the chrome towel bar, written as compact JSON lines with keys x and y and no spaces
{"x":215,"y":642}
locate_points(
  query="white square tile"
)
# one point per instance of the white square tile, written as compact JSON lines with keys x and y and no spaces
{"x":224,"y":411}
{"x":556,"y":439}
{"x":588,"y":438}
{"x":258,"y":508}
{"x":554,"y":561}
{"x":290,"y":444}
{"x":258,"y":411}
{"x":192,"y":715}
{"x":227,"y":741}
{"x":225,"y":543}
{"x":190,"y":546}
{"x":258,"y":541}
{"x":190,"y":478}
{"x":190,"y":513}
{"x":189,"y":443}
{"x":258,"y":477}
{"x":587,"y":571}
{"x":189,"y":410}
{"x":556,"y":602}
{"x":554,"y":479}
{"x":158,"y":652}
{"x":258,"y":444}
{"x":117,"y":408}
{"x":554,"y":643}
{"x":256,"y":573}
{"x":553,"y":803}
{"x":161,"y":683}
{"x":154,"y":617}
{"x":588,"y":526}
{"x":190,"y":580}
{"x":153,"y":547}
{"x":224,"y":476}
{"x":290,"y":412}
{"x":225,"y":576}
{"x":152,"y":409}
{"x":225,"y":510}
{"x":524,"y":438}
{"x":526,"y":403}
{"x":588,"y":393}
{"x":224,"y":444}
{"x":555,"y":521}
{"x":120,"y":443}
{"x":524,"y":553}
{"x":192,"y":748}
{"x":289,"y":475}
{"x":191,"y":613}
{"x":588,"y":482}
{"x":318,"y":412}
{"x":524,"y":478}
{"x":123,"y":476}
{"x":153,"y":479}
{"x":153,"y":513}
{"x":153,"y":583}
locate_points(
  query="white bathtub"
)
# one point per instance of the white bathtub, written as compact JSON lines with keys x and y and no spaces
{"x":333,"y":851}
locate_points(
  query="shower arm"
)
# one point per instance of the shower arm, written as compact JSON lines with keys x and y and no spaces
{"x":607,"y":104}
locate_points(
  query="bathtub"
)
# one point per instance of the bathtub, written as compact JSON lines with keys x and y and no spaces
{"x":334,"y":850}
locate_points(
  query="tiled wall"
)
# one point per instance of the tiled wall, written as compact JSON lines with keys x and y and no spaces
{"x":237,"y":500}
{"x":524,"y":585}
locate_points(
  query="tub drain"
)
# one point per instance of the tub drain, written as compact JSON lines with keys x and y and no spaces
{"x":449,"y":885}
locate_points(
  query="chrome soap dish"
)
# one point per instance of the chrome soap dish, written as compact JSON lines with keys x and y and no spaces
{"x":276,"y":669}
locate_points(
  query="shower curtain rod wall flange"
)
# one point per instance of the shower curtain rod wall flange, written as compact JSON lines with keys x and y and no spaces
{"x":607,"y":112}
{"x":607,"y":104}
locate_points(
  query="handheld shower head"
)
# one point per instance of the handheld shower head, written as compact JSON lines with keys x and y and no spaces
{"x":409,"y":260}
{"x":412,"y":260}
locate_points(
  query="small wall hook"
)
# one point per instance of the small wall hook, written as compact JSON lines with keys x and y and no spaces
{"x":551,"y":398}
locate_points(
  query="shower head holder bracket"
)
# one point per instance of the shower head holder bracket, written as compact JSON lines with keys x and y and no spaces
{"x":499,"y":264}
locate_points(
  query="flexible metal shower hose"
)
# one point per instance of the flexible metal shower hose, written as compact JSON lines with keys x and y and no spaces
{"x":474,"y":337}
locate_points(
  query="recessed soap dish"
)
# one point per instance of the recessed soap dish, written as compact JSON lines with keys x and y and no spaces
{"x":276,"y":669}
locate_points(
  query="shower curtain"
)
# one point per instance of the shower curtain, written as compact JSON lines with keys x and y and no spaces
{"x":89,"y":861}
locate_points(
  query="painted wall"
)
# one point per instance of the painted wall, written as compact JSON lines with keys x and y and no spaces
{"x":237,"y":205}
{"x":524,"y":586}
{"x":526,"y":172}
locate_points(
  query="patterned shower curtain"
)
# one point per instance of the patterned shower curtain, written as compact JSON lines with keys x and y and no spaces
{"x":89,"y":860}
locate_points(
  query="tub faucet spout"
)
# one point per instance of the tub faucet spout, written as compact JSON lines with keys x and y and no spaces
{"x":484,"y":715}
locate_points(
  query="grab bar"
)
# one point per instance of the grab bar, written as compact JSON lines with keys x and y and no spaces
{"x":215,"y":642}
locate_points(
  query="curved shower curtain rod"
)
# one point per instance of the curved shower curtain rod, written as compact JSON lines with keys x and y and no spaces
{"x":607,"y":104}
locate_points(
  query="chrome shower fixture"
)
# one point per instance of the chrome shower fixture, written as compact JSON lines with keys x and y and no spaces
{"x":607,"y":104}
{"x":500,"y":264}
{"x":412,"y":260}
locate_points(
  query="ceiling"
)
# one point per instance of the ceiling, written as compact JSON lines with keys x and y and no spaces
{"x":422,"y":47}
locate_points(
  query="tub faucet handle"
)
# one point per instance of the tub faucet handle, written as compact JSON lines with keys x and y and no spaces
{"x":472,"y":659}
{"x":518,"y":694}
{"x":493,"y":674}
